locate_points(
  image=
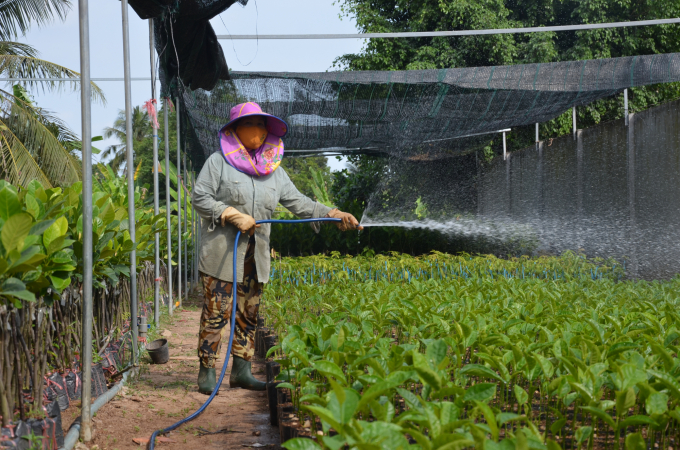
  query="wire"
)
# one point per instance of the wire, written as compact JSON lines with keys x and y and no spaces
{"x":257,"y":33}
{"x":152,"y":441}
{"x":420,"y":34}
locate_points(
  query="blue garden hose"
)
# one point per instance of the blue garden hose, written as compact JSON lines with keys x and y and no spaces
{"x":152,"y":441}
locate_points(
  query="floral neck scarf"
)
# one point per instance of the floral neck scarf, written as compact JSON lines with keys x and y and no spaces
{"x":258,"y":162}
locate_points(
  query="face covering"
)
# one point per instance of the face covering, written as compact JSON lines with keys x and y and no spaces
{"x":252,"y":137}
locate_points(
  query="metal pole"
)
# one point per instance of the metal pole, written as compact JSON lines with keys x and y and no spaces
{"x":625,"y":106}
{"x":193,"y":238}
{"x":537,"y":137}
{"x":167,"y":201}
{"x":184,"y":179}
{"x":86,"y":120}
{"x":130,"y":179}
{"x":505,"y":147}
{"x":198,"y":236}
{"x":179,"y":210}
{"x":157,"y":259}
{"x":573,"y":120}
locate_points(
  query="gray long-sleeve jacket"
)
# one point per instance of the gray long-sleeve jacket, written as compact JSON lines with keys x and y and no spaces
{"x":219,"y":186}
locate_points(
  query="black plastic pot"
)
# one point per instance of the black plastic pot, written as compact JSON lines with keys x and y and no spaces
{"x":158,"y":351}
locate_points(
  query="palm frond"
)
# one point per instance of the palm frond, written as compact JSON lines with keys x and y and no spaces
{"x":20,"y":66}
{"x":27,"y":124}
{"x":16,"y":163}
{"x":17,"y":49}
{"x":110,"y":132}
{"x":118,"y":162}
{"x":16,"y":16}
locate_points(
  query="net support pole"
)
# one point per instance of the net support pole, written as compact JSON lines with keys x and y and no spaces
{"x":157,"y":262}
{"x":625,"y":107}
{"x":193,"y":239}
{"x":130,"y":164}
{"x":166,"y":105}
{"x":505,"y":147}
{"x":86,"y":122}
{"x":537,"y":136}
{"x":198,"y":235}
{"x":179,"y":209}
{"x":573,"y":120}
{"x":632,"y":219}
{"x":186,"y":228}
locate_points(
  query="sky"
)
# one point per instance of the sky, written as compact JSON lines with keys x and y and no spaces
{"x":58,"y":42}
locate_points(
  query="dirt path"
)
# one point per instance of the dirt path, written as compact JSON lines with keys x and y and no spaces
{"x":163,"y":394}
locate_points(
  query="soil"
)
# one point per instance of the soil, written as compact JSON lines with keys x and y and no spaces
{"x":163,"y":394}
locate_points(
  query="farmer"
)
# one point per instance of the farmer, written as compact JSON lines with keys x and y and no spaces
{"x":237,"y":186}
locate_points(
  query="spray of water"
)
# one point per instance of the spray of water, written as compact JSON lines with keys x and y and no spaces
{"x":611,"y":192}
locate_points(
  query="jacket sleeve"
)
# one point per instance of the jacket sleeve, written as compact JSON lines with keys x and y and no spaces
{"x":298,"y":203}
{"x":205,"y":191}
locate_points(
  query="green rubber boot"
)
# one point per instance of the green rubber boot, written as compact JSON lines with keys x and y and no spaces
{"x":241,"y":376}
{"x":206,"y":380}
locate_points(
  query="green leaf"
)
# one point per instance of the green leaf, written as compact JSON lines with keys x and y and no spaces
{"x":343,"y":411}
{"x":425,"y":373}
{"x":656,"y":403}
{"x":13,"y":287}
{"x":55,"y":231}
{"x":520,"y":394}
{"x":324,"y":414}
{"x":329,"y":368}
{"x":582,"y":434}
{"x":376,"y":390}
{"x":301,"y":444}
{"x":32,"y":206}
{"x":558,"y":425}
{"x":9,"y":203}
{"x":490,"y":419}
{"x":631,"y":375}
{"x":624,"y":401}
{"x":552,"y":445}
{"x":635,"y":441}
{"x":480,"y":371}
{"x":15,"y":230}
{"x":667,"y":381}
{"x":637,"y":420}
{"x":503,"y":418}
{"x":285,"y":386}
{"x":436,"y":352}
{"x":40,"y":227}
{"x":601,"y":414}
{"x":480,"y":392}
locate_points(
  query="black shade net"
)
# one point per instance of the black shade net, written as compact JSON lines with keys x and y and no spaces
{"x":415,"y":115}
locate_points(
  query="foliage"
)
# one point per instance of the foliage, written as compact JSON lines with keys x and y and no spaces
{"x":493,"y":356}
{"x":301,"y":172}
{"x":141,"y":129}
{"x":16,"y":17}
{"x":143,"y":148}
{"x":41,"y":236}
{"x":34,"y":143}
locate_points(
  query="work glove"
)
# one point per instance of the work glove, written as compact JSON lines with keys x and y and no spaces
{"x":243,"y":222}
{"x":349,"y":222}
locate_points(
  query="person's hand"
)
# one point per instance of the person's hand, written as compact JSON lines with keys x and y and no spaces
{"x":349,"y":222}
{"x":243,"y":222}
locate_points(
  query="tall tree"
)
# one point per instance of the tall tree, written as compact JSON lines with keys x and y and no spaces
{"x":469,"y":51}
{"x":34,"y":144}
{"x":141,"y":129}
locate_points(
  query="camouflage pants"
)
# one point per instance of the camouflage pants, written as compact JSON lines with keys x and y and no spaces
{"x":217,"y":312}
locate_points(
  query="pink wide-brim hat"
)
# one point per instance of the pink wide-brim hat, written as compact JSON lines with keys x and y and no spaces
{"x":275,"y":125}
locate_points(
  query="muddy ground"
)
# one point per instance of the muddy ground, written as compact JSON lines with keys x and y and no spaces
{"x":163,"y":394}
